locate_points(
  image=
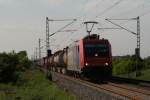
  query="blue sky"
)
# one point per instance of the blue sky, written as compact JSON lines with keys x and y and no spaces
{"x":22,"y":22}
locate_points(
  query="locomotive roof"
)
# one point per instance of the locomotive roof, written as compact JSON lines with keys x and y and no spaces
{"x":92,"y":36}
{"x":87,"y":38}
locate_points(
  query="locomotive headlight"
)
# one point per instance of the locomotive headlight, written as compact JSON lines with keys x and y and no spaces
{"x":86,"y":64}
{"x":106,"y":64}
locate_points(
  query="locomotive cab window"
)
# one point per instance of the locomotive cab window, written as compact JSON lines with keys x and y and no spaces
{"x":96,"y":50}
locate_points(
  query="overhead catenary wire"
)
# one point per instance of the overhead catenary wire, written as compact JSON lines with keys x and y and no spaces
{"x":127,"y":20}
{"x":129,"y":10}
{"x":61,"y":19}
{"x":62,"y":28}
{"x":72,"y":33}
{"x":69,"y":19}
{"x":67,"y":36}
{"x":109,"y":8}
{"x":121,"y":26}
{"x":140,"y":15}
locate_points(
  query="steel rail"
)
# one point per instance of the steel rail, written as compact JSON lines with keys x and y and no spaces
{"x":132,"y":81}
{"x":99,"y":87}
{"x":145,"y":92}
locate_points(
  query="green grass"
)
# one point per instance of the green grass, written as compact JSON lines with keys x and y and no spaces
{"x":33,"y":86}
{"x":145,"y":75}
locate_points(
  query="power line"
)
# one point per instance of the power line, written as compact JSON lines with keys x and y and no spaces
{"x":61,"y":19}
{"x":120,"y":26}
{"x":108,"y":28}
{"x":59,"y":30}
{"x":135,"y":33}
{"x":109,"y":8}
{"x":141,"y":15}
{"x":140,"y":6}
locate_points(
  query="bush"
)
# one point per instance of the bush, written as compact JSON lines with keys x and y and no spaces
{"x":147,"y":63}
{"x":11,"y":65}
{"x":127,"y":64}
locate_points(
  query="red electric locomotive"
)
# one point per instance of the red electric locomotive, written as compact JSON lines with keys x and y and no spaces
{"x":91,"y":57}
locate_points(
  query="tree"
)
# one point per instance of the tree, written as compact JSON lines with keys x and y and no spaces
{"x":12,"y":64}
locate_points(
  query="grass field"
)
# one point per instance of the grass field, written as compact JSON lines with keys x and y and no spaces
{"x":145,"y":75}
{"x":33,"y":86}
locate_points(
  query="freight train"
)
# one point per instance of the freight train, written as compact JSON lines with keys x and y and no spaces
{"x":89,"y":57}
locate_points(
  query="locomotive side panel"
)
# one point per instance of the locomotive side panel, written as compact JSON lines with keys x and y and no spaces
{"x":81,"y":54}
{"x":110,"y":55}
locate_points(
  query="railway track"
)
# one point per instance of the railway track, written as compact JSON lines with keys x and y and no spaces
{"x":142,"y":83}
{"x":124,"y":91}
{"x":130,"y":93}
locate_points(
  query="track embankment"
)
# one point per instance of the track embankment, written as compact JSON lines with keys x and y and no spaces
{"x":85,"y":90}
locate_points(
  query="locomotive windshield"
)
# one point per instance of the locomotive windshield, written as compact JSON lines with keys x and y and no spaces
{"x":96,"y":50}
